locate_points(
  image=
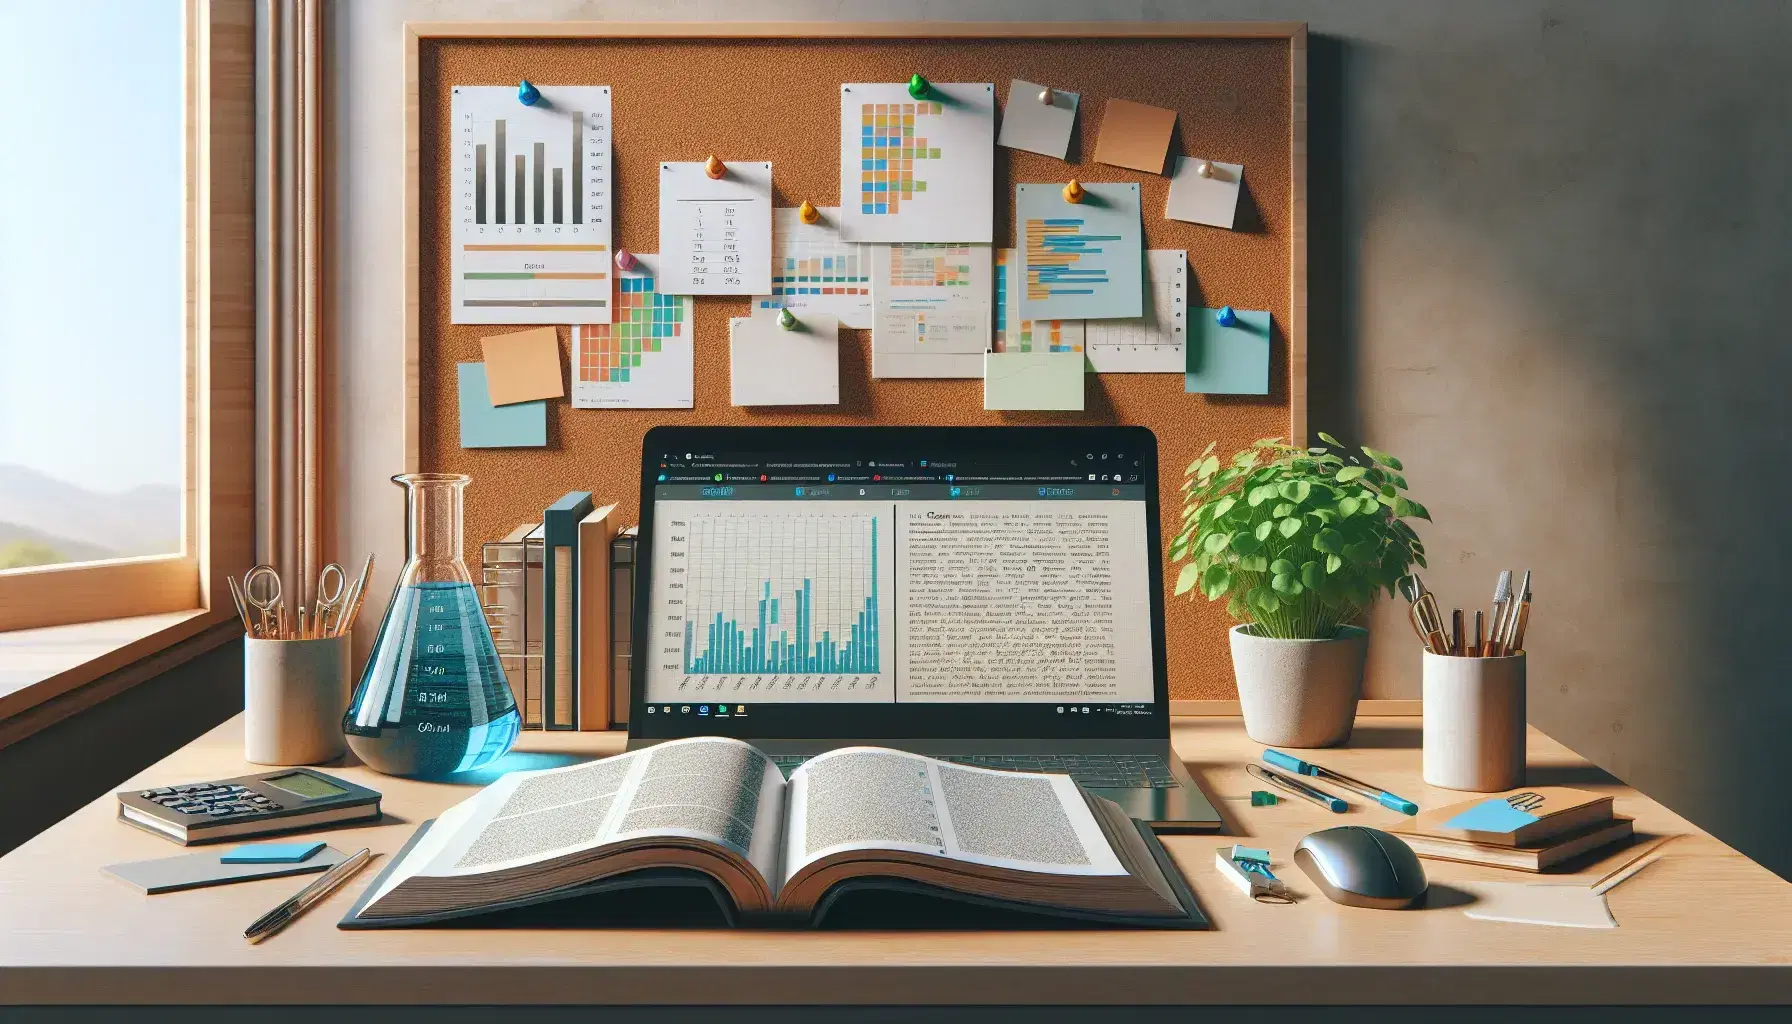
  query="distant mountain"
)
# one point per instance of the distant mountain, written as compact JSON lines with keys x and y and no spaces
{"x":144,"y":520}
{"x":70,"y":550}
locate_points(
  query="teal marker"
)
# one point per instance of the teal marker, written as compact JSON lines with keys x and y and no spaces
{"x":1381,"y":796}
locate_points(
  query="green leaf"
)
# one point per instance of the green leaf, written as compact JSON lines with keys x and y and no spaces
{"x":1329,"y":439}
{"x":1246,"y":543}
{"x":1289,"y":527}
{"x":1329,"y":541}
{"x":1264,"y":600}
{"x":1246,"y":459}
{"x":1286,"y":585}
{"x":1295,"y":490}
{"x":1207,"y":467}
{"x":1185,"y":580}
{"x":1382,"y":457}
{"x":1235,"y":607}
{"x":1421,"y":560}
{"x":1214,"y":543}
{"x":1404,"y":507}
{"x":1253,"y":563}
{"x":1282,"y":565}
{"x":1223,"y":506}
{"x":1284,"y":509}
{"x":1363,"y":552}
{"x":1368,"y":495}
{"x":1215,"y":581}
{"x":1333,"y":563}
{"x":1348,"y":505}
{"x":1264,"y":529}
{"x":1349,"y":473}
{"x":1312,"y":575}
{"x":1261,"y":494}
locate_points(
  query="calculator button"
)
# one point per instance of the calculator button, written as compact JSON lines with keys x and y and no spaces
{"x":271,"y":806}
{"x":218,"y":812}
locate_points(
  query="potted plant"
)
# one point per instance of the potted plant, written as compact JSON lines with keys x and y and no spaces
{"x":1298,"y":541}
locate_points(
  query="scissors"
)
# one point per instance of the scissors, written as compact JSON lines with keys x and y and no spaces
{"x":332,"y":584}
{"x":261,"y":588}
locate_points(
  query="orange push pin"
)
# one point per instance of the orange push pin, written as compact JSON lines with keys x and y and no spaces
{"x":1074,"y":192}
{"x":808,"y":214}
{"x":713,"y":167}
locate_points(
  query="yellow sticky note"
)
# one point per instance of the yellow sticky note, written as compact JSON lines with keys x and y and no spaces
{"x":1033,"y":380}
{"x":1134,"y":135}
{"x":523,"y":367}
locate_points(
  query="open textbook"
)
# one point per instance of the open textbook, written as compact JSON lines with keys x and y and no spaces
{"x":719,"y":812}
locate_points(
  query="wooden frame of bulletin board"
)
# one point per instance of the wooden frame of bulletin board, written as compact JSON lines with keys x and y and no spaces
{"x":769,"y":91}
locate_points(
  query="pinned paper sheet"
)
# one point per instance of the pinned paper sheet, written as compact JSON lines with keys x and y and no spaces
{"x":1228,"y":360}
{"x":1012,"y":334}
{"x":1080,"y":261}
{"x":1210,"y":200}
{"x":1134,"y":135}
{"x":917,"y":170}
{"x":814,"y":269}
{"x":771,"y":365}
{"x":642,"y":360}
{"x":716,"y":233}
{"x":933,"y":310}
{"x":523,"y":367}
{"x":1033,"y":380}
{"x":484,"y":425}
{"x":1158,"y":341}
{"x":1037,"y":127}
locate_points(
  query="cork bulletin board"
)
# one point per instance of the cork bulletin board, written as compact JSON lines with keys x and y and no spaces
{"x":767,"y":91}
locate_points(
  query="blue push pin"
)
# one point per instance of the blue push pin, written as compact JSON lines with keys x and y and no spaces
{"x":527,"y":94}
{"x":1226,"y":317}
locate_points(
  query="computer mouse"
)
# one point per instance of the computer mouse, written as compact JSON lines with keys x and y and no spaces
{"x":1362,"y":867}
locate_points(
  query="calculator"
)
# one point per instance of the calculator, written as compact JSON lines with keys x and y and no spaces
{"x":290,"y":800}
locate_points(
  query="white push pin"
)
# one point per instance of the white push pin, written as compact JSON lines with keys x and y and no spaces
{"x":1046,"y":96}
{"x":1204,"y":168}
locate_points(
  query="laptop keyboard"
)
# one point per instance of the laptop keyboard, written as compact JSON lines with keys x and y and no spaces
{"x":1100,"y":771}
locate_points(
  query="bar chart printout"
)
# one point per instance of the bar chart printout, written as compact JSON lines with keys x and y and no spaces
{"x":779,"y":602}
{"x":531,"y":209}
{"x":1080,"y":261}
{"x":643,"y":358}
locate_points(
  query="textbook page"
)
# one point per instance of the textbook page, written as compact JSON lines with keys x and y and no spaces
{"x":1023,"y":601}
{"x":717,"y":790}
{"x":872,"y":798}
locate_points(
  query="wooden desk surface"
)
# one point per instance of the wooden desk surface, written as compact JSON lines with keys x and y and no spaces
{"x":1705,"y":925}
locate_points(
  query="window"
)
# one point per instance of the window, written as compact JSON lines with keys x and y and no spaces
{"x":126,"y":306}
{"x":92,"y":333}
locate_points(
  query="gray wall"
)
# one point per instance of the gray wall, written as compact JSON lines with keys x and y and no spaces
{"x":1548,"y":251}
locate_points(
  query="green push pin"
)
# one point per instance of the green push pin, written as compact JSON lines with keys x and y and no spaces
{"x":788,"y":320}
{"x":918,"y":87}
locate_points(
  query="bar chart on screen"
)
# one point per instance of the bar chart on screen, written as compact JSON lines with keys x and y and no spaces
{"x":775,"y":602}
{"x":531,"y":211}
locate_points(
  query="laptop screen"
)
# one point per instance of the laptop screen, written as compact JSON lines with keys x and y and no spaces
{"x":890,"y":582}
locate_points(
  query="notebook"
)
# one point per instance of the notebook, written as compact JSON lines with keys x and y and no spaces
{"x":1523,"y":817}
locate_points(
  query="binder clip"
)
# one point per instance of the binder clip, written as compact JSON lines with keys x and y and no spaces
{"x":1248,"y":869}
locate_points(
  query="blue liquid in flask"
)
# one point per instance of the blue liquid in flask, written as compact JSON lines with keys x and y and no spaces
{"x":434,"y":700}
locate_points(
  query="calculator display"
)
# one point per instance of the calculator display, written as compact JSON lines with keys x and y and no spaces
{"x":310,"y":787}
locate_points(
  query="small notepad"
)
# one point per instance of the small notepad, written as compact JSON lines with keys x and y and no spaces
{"x":1494,"y":815}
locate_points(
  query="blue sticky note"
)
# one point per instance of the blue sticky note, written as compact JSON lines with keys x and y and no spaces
{"x":272,"y":853}
{"x":483,"y":425}
{"x":1228,"y":360}
{"x":1494,"y":815}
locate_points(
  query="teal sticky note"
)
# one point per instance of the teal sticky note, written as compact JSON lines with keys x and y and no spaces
{"x":1228,"y":360}
{"x":1491,"y":816}
{"x":1033,"y":380}
{"x":272,"y":853}
{"x":483,"y":425}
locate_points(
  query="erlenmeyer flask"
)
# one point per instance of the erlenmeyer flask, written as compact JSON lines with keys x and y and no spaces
{"x":433,"y":700}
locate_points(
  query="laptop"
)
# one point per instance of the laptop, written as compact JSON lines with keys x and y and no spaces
{"x":986,"y":595}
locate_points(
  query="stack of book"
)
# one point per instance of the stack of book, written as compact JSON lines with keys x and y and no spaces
{"x":558,"y":596}
{"x":1527,"y":829}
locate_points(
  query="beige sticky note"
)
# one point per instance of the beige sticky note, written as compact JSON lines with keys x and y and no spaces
{"x":1135,"y":135}
{"x":1033,"y":380}
{"x":523,"y":367}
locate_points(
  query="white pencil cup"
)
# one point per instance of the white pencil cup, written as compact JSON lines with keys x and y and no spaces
{"x":1474,"y":722}
{"x":295,"y":693}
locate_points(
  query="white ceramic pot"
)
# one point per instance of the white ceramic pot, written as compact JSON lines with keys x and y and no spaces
{"x":1474,"y":722}
{"x":295,"y":693}
{"x":1299,"y":693}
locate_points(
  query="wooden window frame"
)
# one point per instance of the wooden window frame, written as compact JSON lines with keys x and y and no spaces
{"x":219,"y":232}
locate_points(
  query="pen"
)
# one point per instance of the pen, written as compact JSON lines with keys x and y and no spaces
{"x":1381,"y":796}
{"x":283,"y":915}
{"x":1456,"y":647}
{"x":1300,"y":789}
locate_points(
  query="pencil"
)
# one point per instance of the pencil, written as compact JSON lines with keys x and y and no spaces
{"x":1456,"y":647}
{"x":1480,"y":636}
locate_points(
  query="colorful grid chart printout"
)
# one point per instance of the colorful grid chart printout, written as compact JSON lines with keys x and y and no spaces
{"x":1012,"y":334}
{"x":643,"y":360}
{"x":933,"y":310}
{"x":716,"y":233}
{"x":815,"y":270}
{"x":917,"y":170}
{"x":531,"y":218}
{"x":1158,"y":341}
{"x":1081,"y":261}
